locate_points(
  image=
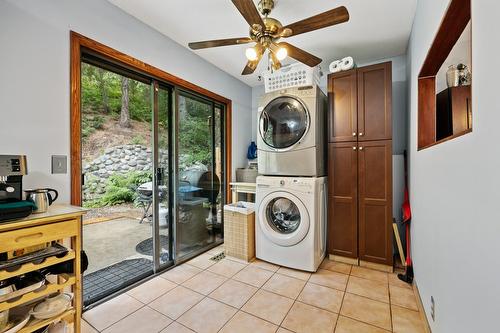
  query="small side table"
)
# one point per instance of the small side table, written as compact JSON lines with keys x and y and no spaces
{"x":239,"y":187}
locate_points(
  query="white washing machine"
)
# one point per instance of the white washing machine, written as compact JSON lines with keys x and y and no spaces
{"x":290,"y":228}
{"x":292,"y":132}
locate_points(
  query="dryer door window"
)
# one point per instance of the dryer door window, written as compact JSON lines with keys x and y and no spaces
{"x":283,"y":215}
{"x":283,"y":122}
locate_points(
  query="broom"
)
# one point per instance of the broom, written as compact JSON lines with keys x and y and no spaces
{"x":406,"y":209}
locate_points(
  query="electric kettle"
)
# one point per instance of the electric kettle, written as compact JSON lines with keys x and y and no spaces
{"x":42,"y":198}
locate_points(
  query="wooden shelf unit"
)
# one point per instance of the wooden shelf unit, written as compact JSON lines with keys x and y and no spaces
{"x":62,"y":223}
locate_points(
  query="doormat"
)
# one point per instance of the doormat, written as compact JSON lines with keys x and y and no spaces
{"x":146,"y":246}
{"x":106,"y":281}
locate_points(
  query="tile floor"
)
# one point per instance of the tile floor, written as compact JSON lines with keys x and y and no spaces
{"x":232,"y":296}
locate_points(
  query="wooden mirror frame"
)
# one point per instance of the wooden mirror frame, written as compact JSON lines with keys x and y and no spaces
{"x":452,"y":26}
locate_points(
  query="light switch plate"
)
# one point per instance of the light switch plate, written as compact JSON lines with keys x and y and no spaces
{"x":59,"y":164}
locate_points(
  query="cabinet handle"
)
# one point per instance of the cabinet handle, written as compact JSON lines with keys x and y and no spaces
{"x":360,"y":148}
{"x":353,"y":133}
{"x":360,"y":133}
{"x":353,"y":148}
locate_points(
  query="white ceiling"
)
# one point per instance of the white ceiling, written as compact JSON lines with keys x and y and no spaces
{"x":376,"y":29}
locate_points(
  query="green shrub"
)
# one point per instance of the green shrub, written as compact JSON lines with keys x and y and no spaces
{"x":138,"y":140}
{"x":90,"y":123}
{"x":121,"y":188}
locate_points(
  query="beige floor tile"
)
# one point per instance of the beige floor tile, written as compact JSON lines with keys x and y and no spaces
{"x":322,"y":297}
{"x":302,"y":275}
{"x":205,"y":282}
{"x":283,"y":330}
{"x":395,"y":281}
{"x":208,"y":316}
{"x":181,"y":273}
{"x":253,"y":275}
{"x":304,"y":318}
{"x":336,"y":266}
{"x":330,"y":279}
{"x":403,"y":297}
{"x":348,"y":325}
{"x":175,"y":327}
{"x":265,"y":265}
{"x":177,"y":301}
{"x":406,"y":321}
{"x":112,"y":311}
{"x":284,"y":285}
{"x":152,"y":289}
{"x":367,"y":310}
{"x":241,"y":261}
{"x":226,"y":268}
{"x":378,"y":291}
{"x":145,"y":320}
{"x":216,"y":250}
{"x":233,"y":293}
{"x":268,"y":306}
{"x":369,"y":274}
{"x":86,"y":328}
{"x":202,"y":261}
{"x":245,"y":323}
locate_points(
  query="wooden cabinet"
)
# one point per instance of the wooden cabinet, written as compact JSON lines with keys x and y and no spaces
{"x":360,"y":104}
{"x":375,"y":201}
{"x":343,"y":199}
{"x":453,"y":111}
{"x":360,"y":164}
{"x":61,"y":224}
{"x":342,"y":92}
{"x":375,"y":102}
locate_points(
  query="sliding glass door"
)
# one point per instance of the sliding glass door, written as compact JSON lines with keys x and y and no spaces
{"x":153,"y":175}
{"x":200,"y":170}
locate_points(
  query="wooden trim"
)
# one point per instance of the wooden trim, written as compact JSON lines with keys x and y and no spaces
{"x":421,"y":309}
{"x":78,"y":42}
{"x":453,"y":24}
{"x":455,"y":20}
{"x":345,"y":260}
{"x":426,"y":111}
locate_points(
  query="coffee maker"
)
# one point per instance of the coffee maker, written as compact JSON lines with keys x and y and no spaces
{"x":12,"y":170}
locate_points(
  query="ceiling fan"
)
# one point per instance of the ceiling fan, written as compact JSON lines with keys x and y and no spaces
{"x":266,"y":32}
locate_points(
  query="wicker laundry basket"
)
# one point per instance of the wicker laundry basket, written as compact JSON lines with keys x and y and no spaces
{"x":239,"y":230}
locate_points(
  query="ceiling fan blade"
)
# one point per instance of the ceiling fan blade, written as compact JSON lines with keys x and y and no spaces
{"x":320,"y":21}
{"x":250,"y":13}
{"x":252,"y":64}
{"x":219,"y":42}
{"x":300,"y":55}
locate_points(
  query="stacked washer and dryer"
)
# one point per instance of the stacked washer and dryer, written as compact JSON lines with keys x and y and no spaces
{"x":291,"y":190}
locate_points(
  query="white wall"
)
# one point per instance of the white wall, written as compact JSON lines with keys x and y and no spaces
{"x":455,"y":187}
{"x":34,"y":84}
{"x":399,"y":103}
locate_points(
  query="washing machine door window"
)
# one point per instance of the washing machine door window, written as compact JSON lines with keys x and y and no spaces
{"x":283,"y":218}
{"x":283,"y":215}
{"x":283,"y":122}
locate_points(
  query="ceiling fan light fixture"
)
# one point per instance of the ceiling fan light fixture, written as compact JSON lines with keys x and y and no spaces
{"x":251,"y":54}
{"x":282,"y":53}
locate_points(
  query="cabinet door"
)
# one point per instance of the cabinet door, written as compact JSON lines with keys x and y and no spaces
{"x":375,"y":102}
{"x":461,"y":108}
{"x":375,"y":201}
{"x":343,"y":119}
{"x":342,"y":199}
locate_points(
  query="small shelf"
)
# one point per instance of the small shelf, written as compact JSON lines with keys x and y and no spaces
{"x":30,"y":267}
{"x":35,"y":324}
{"x":43,"y":291}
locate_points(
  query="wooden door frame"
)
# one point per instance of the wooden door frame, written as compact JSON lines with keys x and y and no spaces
{"x":79,"y":42}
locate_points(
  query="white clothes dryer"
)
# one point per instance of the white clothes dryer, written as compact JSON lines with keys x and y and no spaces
{"x":291,"y":138}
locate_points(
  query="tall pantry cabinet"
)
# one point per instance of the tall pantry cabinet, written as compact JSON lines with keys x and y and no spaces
{"x":360,"y":164}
